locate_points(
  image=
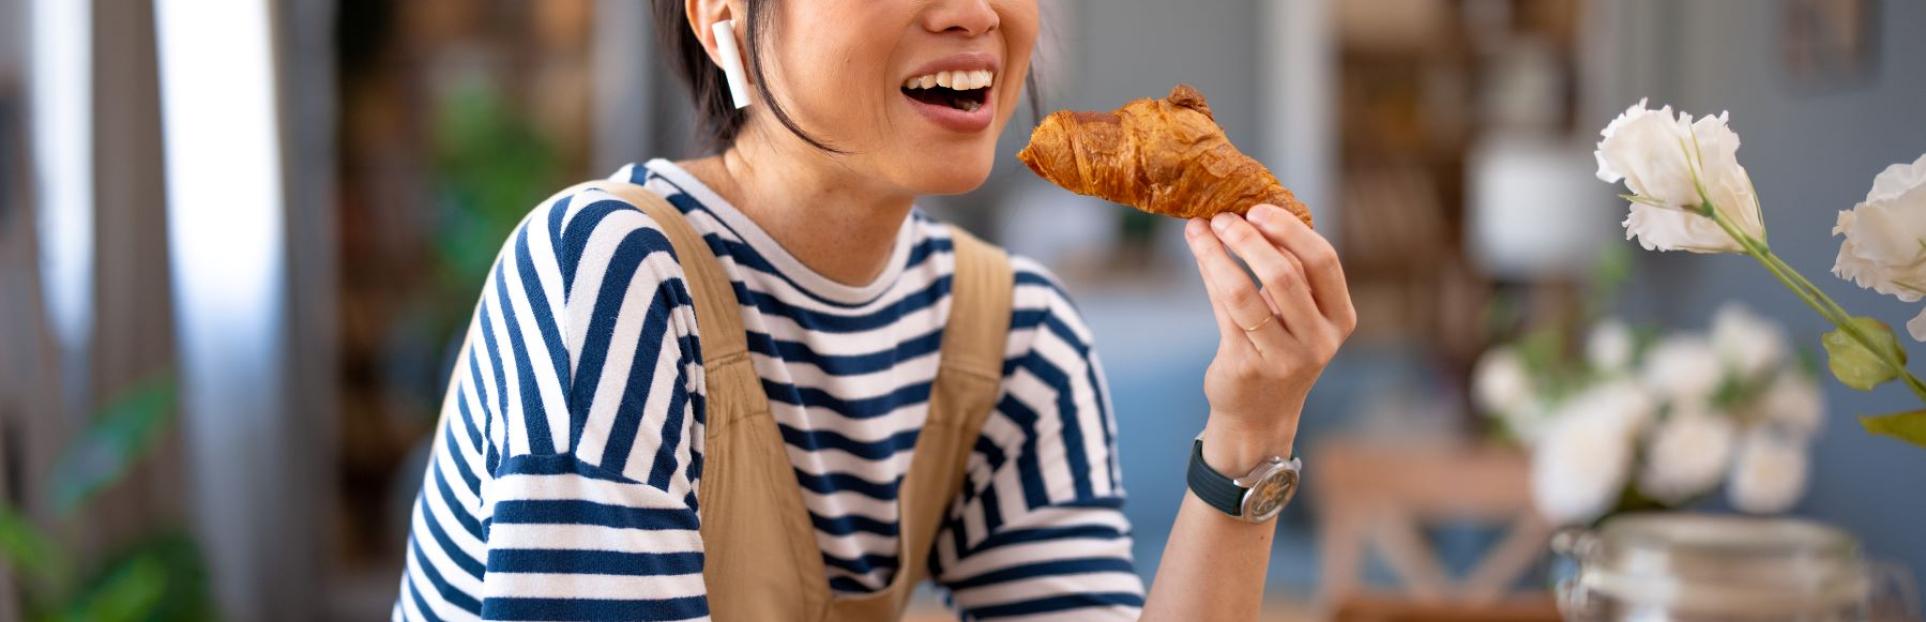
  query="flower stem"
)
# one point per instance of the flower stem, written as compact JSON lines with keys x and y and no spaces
{"x":1815,"y":298}
{"x":1836,"y":309}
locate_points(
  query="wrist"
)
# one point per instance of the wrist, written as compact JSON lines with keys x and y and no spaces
{"x":1231,"y":447}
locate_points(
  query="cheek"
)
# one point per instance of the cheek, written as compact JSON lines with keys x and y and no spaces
{"x":863,"y":85}
{"x":831,"y":79}
{"x":844,"y":93}
{"x":1019,"y":20}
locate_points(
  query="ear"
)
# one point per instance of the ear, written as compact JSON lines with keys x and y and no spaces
{"x":703,"y":14}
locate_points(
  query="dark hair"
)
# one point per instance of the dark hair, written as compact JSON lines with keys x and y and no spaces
{"x":719,"y":119}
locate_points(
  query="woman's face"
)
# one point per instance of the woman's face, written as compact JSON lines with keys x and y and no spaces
{"x":914,"y":92}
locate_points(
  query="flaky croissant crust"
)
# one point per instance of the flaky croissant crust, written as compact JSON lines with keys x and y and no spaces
{"x":1163,"y":156}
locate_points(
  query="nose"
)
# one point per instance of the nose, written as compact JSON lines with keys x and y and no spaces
{"x":968,"y":17}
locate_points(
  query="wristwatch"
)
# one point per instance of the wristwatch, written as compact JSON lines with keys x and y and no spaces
{"x":1256,"y":497}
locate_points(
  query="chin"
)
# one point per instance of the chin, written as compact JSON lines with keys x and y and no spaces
{"x":934,"y":174}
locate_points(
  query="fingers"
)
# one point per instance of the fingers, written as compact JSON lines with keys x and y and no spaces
{"x":1320,"y":262}
{"x":1283,"y":280}
{"x":1236,"y":299}
{"x":1194,"y":232}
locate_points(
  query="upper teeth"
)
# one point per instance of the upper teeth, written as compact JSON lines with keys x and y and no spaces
{"x":958,"y":80}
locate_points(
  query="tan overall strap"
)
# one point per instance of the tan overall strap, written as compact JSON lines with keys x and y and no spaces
{"x":969,"y":379}
{"x":761,"y":560}
{"x":705,"y":279}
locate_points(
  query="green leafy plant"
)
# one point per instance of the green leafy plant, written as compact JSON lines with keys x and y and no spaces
{"x":491,"y":164}
{"x":160,"y":578}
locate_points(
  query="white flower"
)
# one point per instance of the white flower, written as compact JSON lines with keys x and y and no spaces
{"x":1624,"y":405}
{"x":1582,"y":461}
{"x":1646,"y":148}
{"x":1659,"y":156}
{"x":1769,"y":475}
{"x":1577,"y":472}
{"x":1687,"y":456}
{"x":1746,"y":342}
{"x":1683,"y":368}
{"x":1666,"y":229}
{"x":1528,"y":422}
{"x":1793,"y":403}
{"x":1609,"y":346}
{"x":1500,"y":383}
{"x":1885,"y":245}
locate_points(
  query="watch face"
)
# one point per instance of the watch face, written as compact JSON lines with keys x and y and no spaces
{"x":1270,"y":494}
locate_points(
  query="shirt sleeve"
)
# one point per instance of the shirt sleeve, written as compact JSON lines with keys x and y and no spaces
{"x":1038,"y":532}
{"x":591,"y":513}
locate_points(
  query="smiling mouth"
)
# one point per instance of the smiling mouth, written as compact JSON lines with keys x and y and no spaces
{"x":962,"y":90}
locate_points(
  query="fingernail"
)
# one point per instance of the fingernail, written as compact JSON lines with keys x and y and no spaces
{"x":1261,"y":214}
{"x":1194,"y":227}
{"x":1221,"y":222}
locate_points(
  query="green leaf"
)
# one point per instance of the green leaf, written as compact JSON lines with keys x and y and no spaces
{"x":28,"y":550}
{"x":1906,"y":426}
{"x":1854,"y":364}
{"x":122,"y":432}
{"x":159,"y":578}
{"x":127,"y":593}
{"x":185,"y":592}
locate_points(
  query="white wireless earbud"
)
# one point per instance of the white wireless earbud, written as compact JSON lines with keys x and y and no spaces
{"x":731,"y":61}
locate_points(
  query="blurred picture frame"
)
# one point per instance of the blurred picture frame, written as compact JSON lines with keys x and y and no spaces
{"x":1828,"y":44}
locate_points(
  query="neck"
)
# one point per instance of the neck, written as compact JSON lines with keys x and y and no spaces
{"x":832,"y":220}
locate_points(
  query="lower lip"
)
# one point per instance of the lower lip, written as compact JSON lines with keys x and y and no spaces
{"x":954,"y":119}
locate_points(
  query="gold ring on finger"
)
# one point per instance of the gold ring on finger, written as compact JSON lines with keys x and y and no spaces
{"x":1260,"y":324}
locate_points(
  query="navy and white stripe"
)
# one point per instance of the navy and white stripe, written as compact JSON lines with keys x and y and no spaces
{"x":565,"y":478}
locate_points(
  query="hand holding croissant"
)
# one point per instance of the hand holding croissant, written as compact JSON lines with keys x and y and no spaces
{"x":1168,"y":156}
{"x":1281,"y":315}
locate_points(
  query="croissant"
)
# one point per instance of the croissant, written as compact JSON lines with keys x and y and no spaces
{"x":1163,"y":156}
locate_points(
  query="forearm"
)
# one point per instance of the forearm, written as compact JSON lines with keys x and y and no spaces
{"x":1273,"y":342}
{"x":1213,"y":565}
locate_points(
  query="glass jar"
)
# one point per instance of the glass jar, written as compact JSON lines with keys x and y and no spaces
{"x":1700,"y":567}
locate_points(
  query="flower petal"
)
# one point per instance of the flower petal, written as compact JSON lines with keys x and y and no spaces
{"x":1648,"y":150}
{"x":1885,"y":237}
{"x":1687,"y":456}
{"x":1896,"y":180}
{"x":1667,"y":229}
{"x":1768,"y":474}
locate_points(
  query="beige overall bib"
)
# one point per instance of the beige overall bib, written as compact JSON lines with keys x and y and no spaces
{"x":761,"y":561}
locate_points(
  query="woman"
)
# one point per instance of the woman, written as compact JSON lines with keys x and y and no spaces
{"x":579,"y":472}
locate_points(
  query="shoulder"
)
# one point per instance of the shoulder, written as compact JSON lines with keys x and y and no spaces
{"x":1039,"y":300}
{"x":590,"y":233}
{"x":1041,"y":306}
{"x":600,"y":262}
{"x":1042,"y":302}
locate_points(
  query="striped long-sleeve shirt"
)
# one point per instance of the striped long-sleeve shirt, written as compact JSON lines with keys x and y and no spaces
{"x":565,"y":480}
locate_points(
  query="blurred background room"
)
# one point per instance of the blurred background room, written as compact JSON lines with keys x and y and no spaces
{"x":239,"y":241}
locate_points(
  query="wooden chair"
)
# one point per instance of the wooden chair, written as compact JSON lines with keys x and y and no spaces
{"x":1380,"y":495}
